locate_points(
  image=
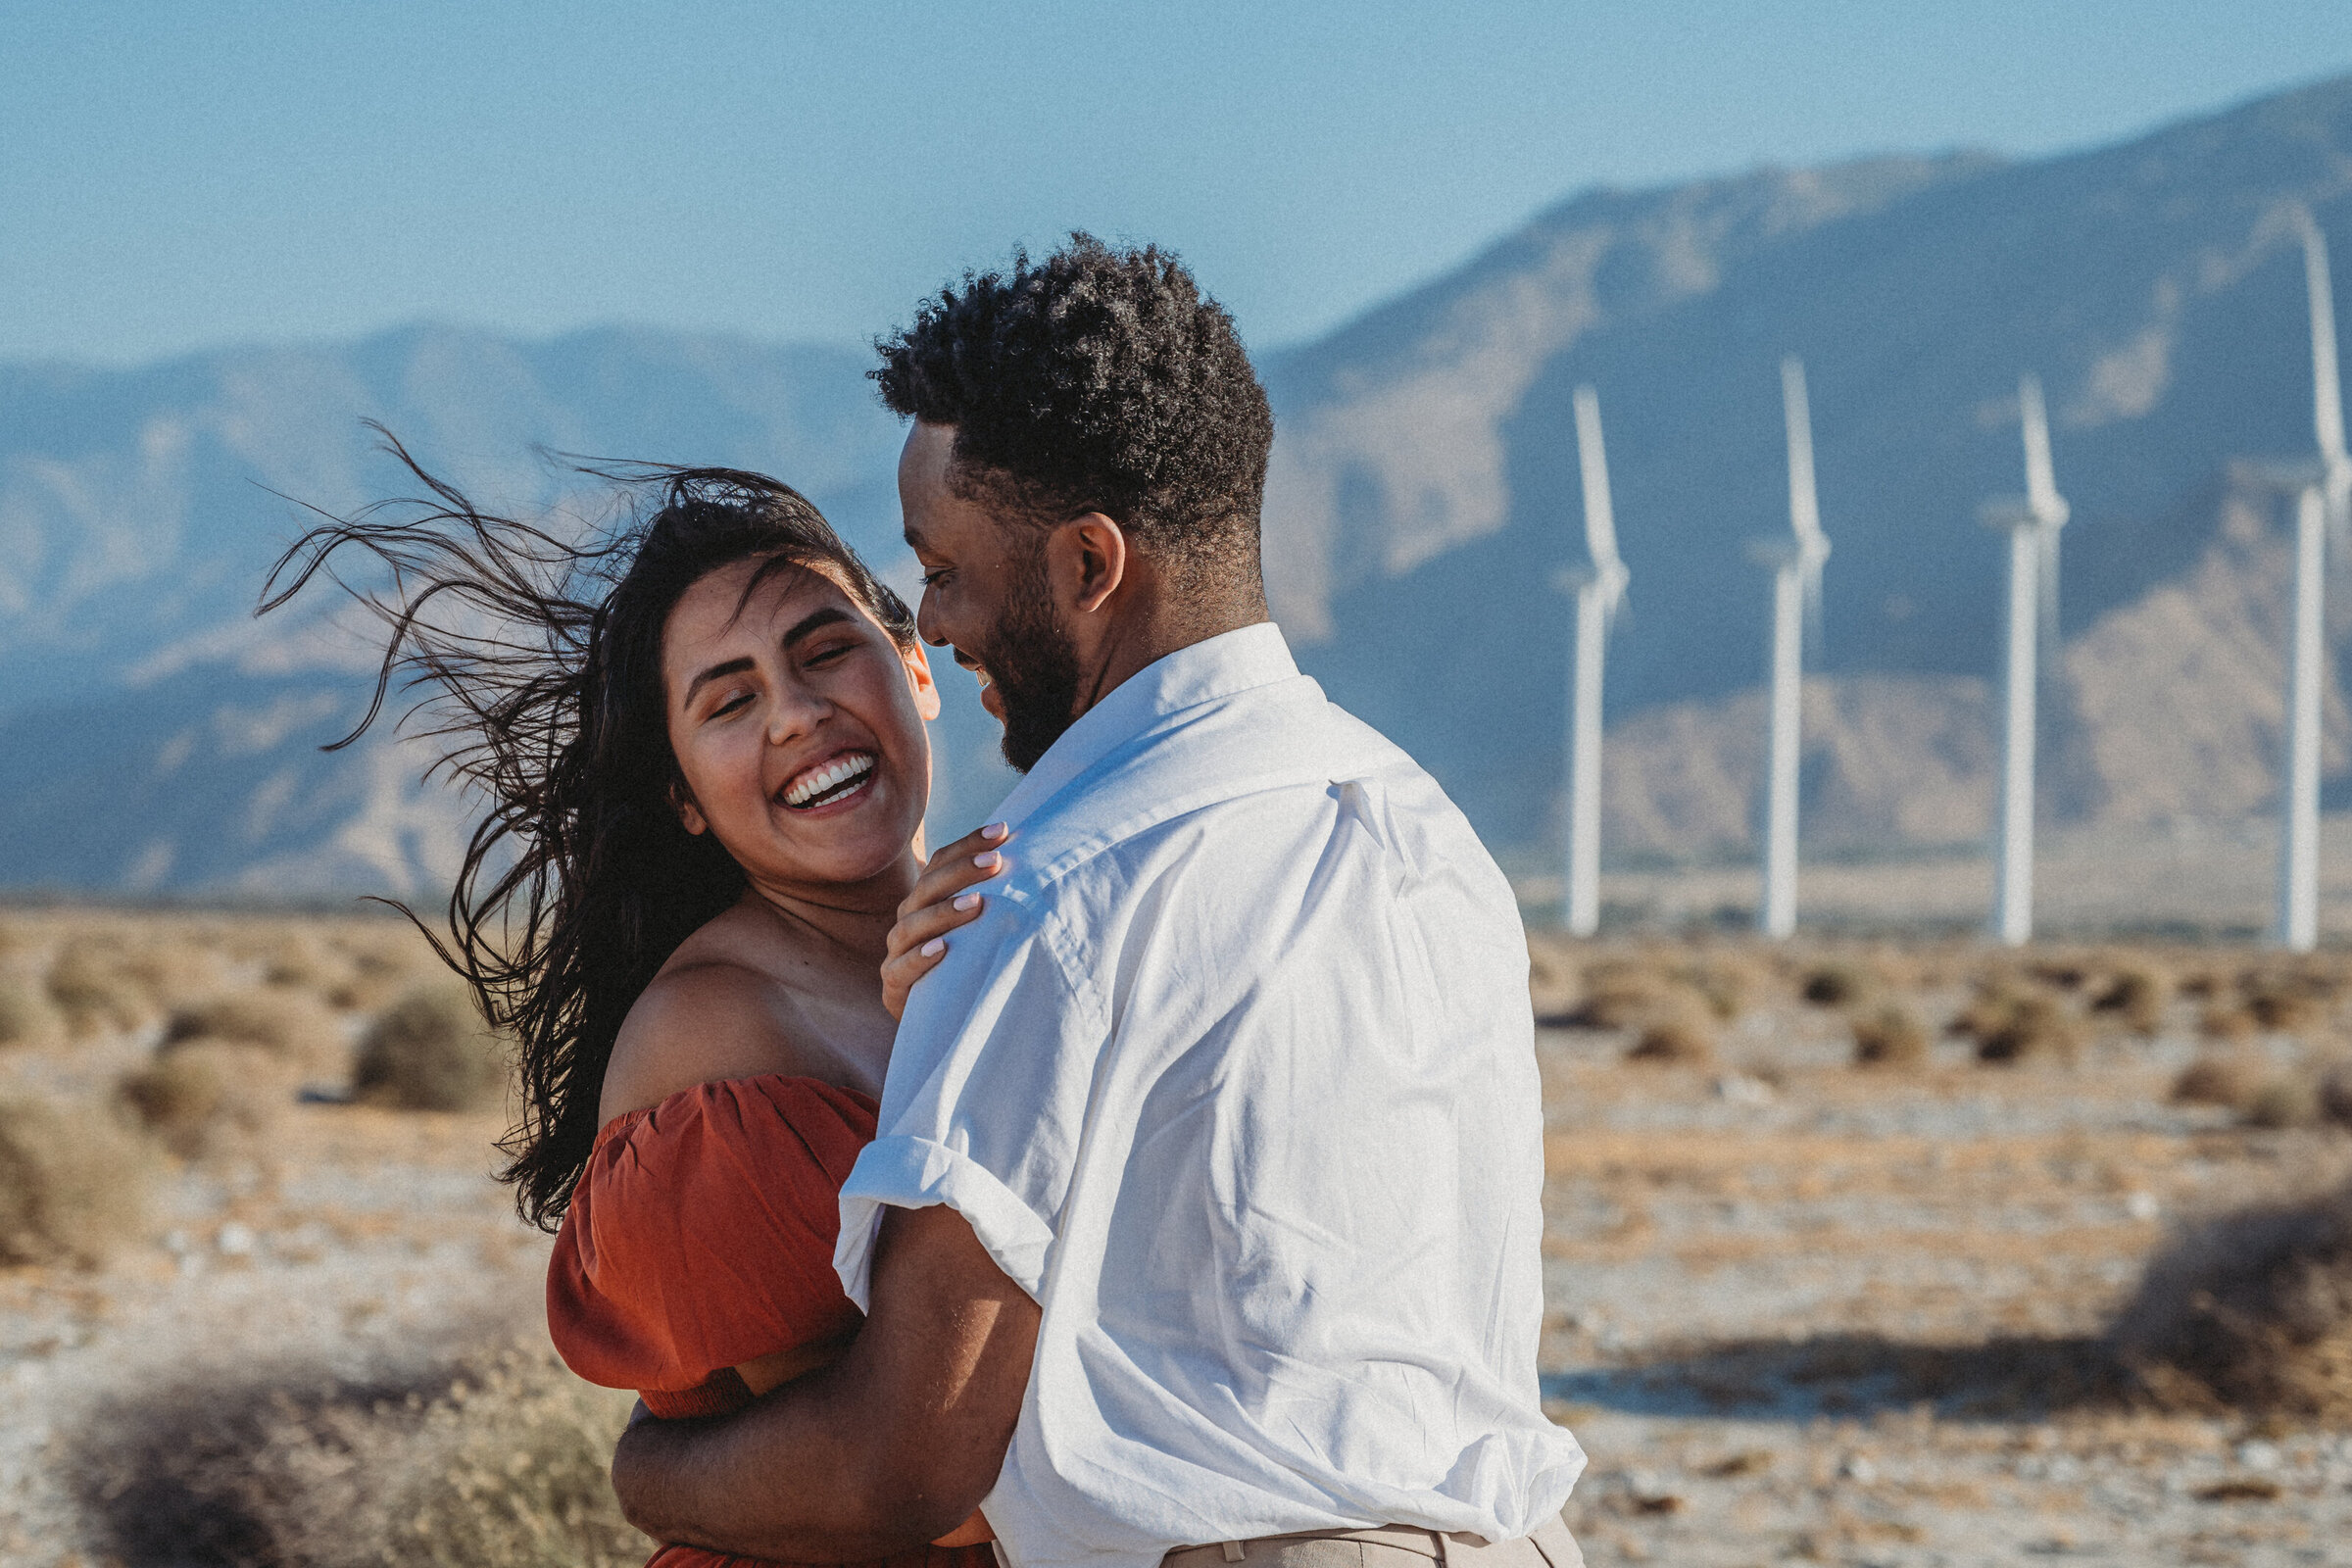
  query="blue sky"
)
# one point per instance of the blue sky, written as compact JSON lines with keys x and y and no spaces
{"x":177,"y":174}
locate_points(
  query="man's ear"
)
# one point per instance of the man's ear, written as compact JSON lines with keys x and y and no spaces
{"x":918,"y":677}
{"x":690,"y":815}
{"x":1087,"y":558}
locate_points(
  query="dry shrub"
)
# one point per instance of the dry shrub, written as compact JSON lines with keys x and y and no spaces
{"x":2288,"y":1101}
{"x":2011,"y":1025}
{"x":380,"y":970}
{"x":73,"y":1184}
{"x":296,"y":962}
{"x":2066,"y":973}
{"x":500,"y":1464}
{"x":1729,"y":982}
{"x":430,"y":1050}
{"x":2228,"y":1022}
{"x":2138,"y":993}
{"x":1836,"y":984}
{"x":90,"y":980}
{"x":2250,"y":1311}
{"x":285,"y":1024}
{"x":2285,"y":1004}
{"x":1619,"y":993}
{"x":2225,"y":1081}
{"x":2335,"y":1093}
{"x":170,"y":969}
{"x":206,"y":1096}
{"x":1891,"y":1037}
{"x":27,"y":1017}
{"x":1679,"y":1031}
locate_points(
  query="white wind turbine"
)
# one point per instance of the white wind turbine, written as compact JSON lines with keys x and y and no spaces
{"x":2323,"y":505}
{"x":1795,"y":606}
{"x":1600,"y":591}
{"x":2031,"y":625}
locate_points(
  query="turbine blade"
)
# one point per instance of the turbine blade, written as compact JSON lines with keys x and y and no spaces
{"x":2041,"y":483}
{"x":1804,"y":505}
{"x":1593,"y":465}
{"x":2328,"y":394}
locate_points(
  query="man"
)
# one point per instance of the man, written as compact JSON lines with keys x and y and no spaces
{"x":1204,"y":1210}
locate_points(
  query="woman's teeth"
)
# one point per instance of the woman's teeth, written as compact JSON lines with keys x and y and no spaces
{"x":829,"y":780}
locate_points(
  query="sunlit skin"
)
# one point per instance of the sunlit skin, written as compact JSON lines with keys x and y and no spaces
{"x":759,"y":695}
{"x":1120,"y":608}
{"x":901,"y":1439}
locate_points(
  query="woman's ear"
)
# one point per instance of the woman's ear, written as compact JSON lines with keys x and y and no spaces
{"x":690,"y":815}
{"x":918,"y":677}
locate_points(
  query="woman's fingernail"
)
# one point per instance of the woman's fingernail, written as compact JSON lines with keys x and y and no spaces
{"x":935,"y":946}
{"x":968,"y":900}
{"x":994,"y":831}
{"x":988,"y":859}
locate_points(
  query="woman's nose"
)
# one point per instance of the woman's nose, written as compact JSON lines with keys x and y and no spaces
{"x":793,"y":713}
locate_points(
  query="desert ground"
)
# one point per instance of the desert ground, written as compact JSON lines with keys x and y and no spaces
{"x":1964,"y":1302}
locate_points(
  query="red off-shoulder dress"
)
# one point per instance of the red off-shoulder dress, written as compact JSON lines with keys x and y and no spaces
{"x":700,"y":1238}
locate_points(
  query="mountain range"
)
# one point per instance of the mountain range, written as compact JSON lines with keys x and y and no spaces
{"x":1422,"y":508}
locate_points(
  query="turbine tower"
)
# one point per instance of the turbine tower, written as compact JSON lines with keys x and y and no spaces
{"x":1795,"y":608}
{"x":2031,"y":623}
{"x":2322,"y":506}
{"x":1600,"y":591}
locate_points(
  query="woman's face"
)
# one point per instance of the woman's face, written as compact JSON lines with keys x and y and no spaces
{"x":798,"y":726}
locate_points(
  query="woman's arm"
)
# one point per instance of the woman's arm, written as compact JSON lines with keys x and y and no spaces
{"x":886,"y":1449}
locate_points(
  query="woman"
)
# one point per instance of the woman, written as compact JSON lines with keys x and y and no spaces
{"x":702,"y":740}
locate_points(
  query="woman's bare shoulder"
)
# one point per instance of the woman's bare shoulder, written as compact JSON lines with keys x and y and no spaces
{"x":698,"y":1022}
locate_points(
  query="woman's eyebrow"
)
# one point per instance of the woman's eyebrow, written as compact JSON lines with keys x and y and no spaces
{"x":733,"y":667}
{"x":814,"y":620}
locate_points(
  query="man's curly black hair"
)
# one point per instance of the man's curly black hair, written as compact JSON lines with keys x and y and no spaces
{"x":1099,"y":379}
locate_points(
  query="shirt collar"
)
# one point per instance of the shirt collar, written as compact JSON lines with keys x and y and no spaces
{"x":1217,"y":667}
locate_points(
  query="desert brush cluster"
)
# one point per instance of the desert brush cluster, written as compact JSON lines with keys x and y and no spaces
{"x":1853,"y":1248}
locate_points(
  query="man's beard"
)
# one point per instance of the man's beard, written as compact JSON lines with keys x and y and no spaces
{"x":1030,"y":660}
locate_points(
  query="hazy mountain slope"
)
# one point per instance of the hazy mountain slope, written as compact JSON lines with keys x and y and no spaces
{"x":134,"y":511}
{"x":1423,"y":500}
{"x":1429,"y":493}
{"x":2167,"y":712}
{"x":153,"y":736}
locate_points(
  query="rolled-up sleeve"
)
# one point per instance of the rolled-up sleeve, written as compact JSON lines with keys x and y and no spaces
{"x":984,"y":1100}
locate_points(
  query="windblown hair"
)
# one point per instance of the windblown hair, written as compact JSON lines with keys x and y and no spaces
{"x":1099,"y":379}
{"x":539,"y":658}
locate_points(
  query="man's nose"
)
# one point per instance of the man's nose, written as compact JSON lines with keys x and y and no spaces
{"x":926,"y":624}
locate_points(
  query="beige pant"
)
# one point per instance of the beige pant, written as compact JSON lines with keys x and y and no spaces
{"x":1390,"y":1547}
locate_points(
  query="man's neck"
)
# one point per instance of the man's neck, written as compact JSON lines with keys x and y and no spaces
{"x":1136,"y":643}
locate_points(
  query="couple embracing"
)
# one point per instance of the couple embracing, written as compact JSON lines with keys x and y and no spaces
{"x":1153,"y":1175}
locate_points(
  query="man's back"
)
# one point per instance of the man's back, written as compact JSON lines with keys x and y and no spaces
{"x":1236,"y":1078}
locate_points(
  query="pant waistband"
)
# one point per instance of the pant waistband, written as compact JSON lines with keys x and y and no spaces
{"x":1549,"y":1547}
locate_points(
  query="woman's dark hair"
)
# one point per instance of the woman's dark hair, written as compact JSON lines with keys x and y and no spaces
{"x":541,"y":657}
{"x":1099,"y":379}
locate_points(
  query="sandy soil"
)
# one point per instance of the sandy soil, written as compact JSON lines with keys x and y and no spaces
{"x":1804,"y":1311}
{"x":1797,"y":1310}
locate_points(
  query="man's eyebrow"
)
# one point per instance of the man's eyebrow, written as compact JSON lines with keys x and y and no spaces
{"x":913,"y":535}
{"x":733,"y":667}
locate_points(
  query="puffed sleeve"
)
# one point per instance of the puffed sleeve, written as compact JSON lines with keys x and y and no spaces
{"x":702,"y":1234}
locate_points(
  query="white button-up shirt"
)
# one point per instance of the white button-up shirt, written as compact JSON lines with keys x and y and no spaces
{"x":1236,"y":1076}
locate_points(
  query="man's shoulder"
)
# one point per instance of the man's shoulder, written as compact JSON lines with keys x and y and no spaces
{"x":1257,"y":773}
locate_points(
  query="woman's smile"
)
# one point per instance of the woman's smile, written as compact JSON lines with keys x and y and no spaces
{"x":833,"y":784}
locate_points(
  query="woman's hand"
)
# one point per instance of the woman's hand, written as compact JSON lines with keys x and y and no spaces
{"x":939,"y":904}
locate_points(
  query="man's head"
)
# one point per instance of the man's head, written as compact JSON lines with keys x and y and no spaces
{"x":1083,"y":480}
